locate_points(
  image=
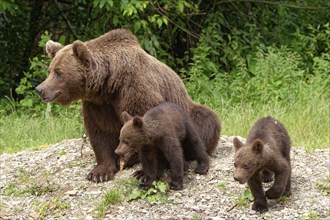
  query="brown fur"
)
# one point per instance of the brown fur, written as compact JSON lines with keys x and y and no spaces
{"x":165,"y":129}
{"x":266,"y":152}
{"x":112,"y":74}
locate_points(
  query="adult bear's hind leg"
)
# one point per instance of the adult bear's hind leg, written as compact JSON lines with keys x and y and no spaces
{"x":207,"y":124}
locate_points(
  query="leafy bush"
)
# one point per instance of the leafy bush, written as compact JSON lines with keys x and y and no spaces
{"x":30,"y":102}
{"x":38,"y":71}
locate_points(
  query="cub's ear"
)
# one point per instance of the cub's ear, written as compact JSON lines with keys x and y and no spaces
{"x":237,"y":143}
{"x":52,"y":48}
{"x":126,"y":116}
{"x":81,"y":52}
{"x":137,"y":122}
{"x":257,"y":146}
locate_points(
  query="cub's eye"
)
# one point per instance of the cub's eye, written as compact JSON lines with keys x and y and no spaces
{"x":246,"y":167}
{"x":58,"y":73}
{"x":125,"y":142}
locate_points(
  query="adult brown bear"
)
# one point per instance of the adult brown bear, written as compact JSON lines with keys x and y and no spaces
{"x":112,"y":74}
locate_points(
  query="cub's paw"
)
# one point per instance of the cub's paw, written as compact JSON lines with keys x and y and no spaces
{"x":287,"y":193}
{"x":139,"y":174}
{"x":273,"y":193}
{"x":176,"y":186}
{"x":267,"y":178}
{"x":260,"y":207}
{"x":202,"y":169}
{"x":102,"y":173}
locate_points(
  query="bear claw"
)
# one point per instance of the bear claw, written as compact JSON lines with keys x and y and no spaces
{"x":176,"y":186}
{"x":139,"y":174}
{"x":101,"y":173}
{"x":145,"y":186}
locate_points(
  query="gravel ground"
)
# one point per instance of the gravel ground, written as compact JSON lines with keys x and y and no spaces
{"x":49,"y":183}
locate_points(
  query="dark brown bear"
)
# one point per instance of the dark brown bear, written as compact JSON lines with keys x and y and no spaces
{"x":266,"y":152}
{"x":165,"y":129}
{"x":112,"y":74}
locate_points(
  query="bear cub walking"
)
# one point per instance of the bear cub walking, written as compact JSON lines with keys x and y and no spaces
{"x":166,"y":129}
{"x":266,"y":152}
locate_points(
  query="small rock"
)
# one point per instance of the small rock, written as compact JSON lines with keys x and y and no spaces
{"x":71,"y":192}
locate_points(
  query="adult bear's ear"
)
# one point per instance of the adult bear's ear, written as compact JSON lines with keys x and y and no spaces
{"x":237,"y":144}
{"x":126,"y":116}
{"x":137,"y":122}
{"x":81,"y":52}
{"x":257,"y":146}
{"x":52,"y":48}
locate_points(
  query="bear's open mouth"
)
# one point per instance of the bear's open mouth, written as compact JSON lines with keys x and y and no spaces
{"x":52,"y":98}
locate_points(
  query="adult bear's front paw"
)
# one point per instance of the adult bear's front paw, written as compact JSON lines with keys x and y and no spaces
{"x":102,"y":173}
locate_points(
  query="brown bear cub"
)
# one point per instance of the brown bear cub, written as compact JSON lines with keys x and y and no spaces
{"x":166,"y":129}
{"x":266,"y":152}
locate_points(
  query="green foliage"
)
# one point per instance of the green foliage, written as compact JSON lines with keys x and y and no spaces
{"x":282,"y":198}
{"x":311,"y":216}
{"x":31,"y":185}
{"x":245,"y":198}
{"x":38,"y":71}
{"x":8,"y":5}
{"x":153,"y":195}
{"x":324,"y":186}
{"x":195,"y":217}
{"x":126,"y":186}
{"x":222,"y":184}
{"x":111,"y":197}
{"x":19,"y":132}
{"x":52,"y":208}
{"x":231,"y":55}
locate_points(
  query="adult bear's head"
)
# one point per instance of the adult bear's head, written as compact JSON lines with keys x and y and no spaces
{"x":67,"y":72}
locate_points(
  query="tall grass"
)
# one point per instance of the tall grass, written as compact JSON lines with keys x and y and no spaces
{"x":20,"y":131}
{"x":277,"y":83}
{"x":308,"y":124}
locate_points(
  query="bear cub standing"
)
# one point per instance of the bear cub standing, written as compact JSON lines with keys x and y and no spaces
{"x":266,"y":152}
{"x":166,"y":129}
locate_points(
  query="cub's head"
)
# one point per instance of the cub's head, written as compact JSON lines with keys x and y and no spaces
{"x":247,"y":159}
{"x":133,"y":135}
{"x":67,"y":72}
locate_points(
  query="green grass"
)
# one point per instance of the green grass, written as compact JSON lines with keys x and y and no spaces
{"x":19,"y":132}
{"x":111,"y":197}
{"x":308,"y":124}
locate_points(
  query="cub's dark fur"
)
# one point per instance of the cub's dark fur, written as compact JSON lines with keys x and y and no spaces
{"x":166,"y":129}
{"x":266,"y":152}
